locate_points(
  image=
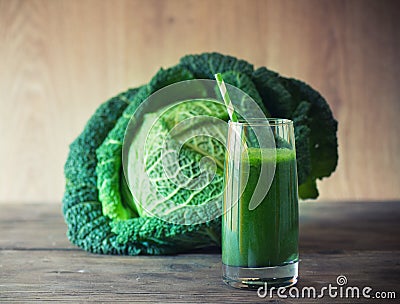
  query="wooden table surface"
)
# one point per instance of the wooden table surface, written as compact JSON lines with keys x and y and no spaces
{"x":37,"y":263}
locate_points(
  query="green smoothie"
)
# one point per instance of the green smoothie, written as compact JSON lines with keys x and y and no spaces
{"x":267,"y":235}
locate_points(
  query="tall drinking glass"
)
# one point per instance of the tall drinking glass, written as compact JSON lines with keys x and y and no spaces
{"x":260,"y":220}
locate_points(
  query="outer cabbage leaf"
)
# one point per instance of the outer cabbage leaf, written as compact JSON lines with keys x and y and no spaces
{"x":244,"y":83}
{"x":206,"y":65}
{"x":315,"y":126}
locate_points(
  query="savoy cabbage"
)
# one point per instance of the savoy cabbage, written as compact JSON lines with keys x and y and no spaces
{"x":101,"y":214}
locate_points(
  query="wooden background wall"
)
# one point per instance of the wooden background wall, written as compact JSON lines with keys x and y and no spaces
{"x":60,"y":59}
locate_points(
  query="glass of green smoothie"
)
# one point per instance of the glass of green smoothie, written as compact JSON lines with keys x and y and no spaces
{"x":260,"y":220}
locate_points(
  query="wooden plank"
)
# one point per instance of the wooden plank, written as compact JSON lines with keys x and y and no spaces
{"x":52,"y":79}
{"x":33,"y":226}
{"x":81,"y":277}
{"x":358,"y":240}
{"x":349,"y":226}
{"x":342,"y":226}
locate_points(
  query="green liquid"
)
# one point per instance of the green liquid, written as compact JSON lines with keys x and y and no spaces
{"x":268,"y":235}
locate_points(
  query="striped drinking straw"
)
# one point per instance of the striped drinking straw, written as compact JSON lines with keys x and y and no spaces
{"x":228,"y":103}
{"x":226,"y":98}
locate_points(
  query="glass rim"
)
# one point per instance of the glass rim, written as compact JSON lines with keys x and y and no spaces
{"x":262,"y":121}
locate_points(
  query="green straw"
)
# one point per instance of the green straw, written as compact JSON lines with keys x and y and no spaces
{"x":226,"y":98}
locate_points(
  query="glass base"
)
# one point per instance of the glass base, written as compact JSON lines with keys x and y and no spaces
{"x":254,"y":278}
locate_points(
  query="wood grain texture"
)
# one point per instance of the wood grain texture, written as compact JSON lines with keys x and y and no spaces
{"x":38,"y":264}
{"x":61,"y":59}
